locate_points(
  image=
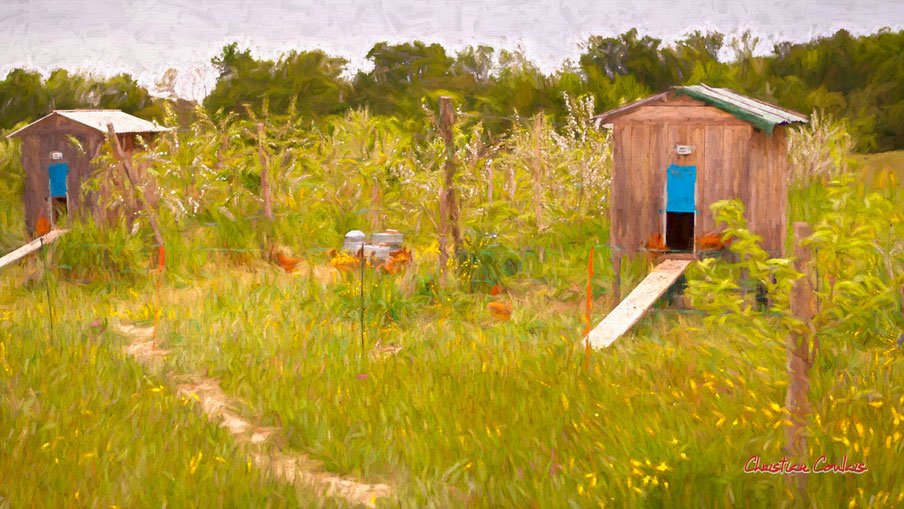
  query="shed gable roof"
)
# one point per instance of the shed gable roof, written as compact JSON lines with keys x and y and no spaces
{"x":98,"y":119}
{"x":763,"y":115}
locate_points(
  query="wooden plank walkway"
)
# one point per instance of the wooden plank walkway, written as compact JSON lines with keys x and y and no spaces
{"x":31,"y":247}
{"x":629,"y":311}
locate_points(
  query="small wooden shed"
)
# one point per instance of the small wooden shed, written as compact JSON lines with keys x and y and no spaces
{"x":677,"y":152}
{"x":55,"y":167}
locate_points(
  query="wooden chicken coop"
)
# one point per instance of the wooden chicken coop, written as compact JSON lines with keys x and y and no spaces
{"x":677,"y":152}
{"x":58,"y":151}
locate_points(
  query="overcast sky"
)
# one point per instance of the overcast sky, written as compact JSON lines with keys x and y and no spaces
{"x":146,"y":37}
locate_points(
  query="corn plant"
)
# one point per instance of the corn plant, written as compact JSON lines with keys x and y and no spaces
{"x":820,"y":150}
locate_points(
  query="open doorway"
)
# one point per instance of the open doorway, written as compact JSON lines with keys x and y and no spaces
{"x":679,"y":231}
{"x":58,"y":197}
{"x":681,"y":184}
{"x":60,"y":208}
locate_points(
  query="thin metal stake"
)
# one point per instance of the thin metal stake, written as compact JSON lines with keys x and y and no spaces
{"x":47,"y":287}
{"x":362,"y":297}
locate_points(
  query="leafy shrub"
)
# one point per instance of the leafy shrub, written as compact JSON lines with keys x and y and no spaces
{"x":483,"y":261}
{"x":718,"y":287}
{"x":858,"y":269}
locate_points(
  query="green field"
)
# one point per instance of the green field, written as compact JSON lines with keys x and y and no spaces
{"x":471,"y":410}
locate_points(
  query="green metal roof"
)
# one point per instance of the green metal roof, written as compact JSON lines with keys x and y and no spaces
{"x":761,"y":114}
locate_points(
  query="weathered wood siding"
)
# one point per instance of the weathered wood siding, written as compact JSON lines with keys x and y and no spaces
{"x":725,"y":178}
{"x":35,"y":183}
{"x":768,"y":197}
{"x":53,"y":136}
{"x":36,"y":148}
{"x":733,"y":160}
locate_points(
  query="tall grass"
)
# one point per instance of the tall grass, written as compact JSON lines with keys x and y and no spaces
{"x":473,"y":410}
{"x":12,"y":185}
{"x":84,"y":426}
{"x":503,"y":413}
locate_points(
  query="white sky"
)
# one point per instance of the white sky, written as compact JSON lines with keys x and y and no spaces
{"x":146,"y":37}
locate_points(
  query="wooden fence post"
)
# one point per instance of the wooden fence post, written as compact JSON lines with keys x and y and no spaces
{"x":490,"y":182}
{"x":800,"y":359}
{"x":538,"y":172}
{"x":448,"y":203}
{"x":126,"y":162}
{"x":265,"y":179}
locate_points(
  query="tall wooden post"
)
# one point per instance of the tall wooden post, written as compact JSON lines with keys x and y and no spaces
{"x":376,"y":206}
{"x":800,"y":359}
{"x":448,"y":204}
{"x":126,"y":163}
{"x":538,"y":169}
{"x":265,"y":181}
{"x":538,"y":181}
{"x":490,"y":182}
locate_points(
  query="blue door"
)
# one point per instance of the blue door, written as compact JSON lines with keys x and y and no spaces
{"x":58,"y":173}
{"x":680,"y":188}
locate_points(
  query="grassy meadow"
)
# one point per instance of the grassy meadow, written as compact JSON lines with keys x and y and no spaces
{"x":446,"y":401}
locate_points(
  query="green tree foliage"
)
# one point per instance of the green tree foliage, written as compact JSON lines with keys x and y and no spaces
{"x":22,"y":97}
{"x":26,"y":96}
{"x":854,"y":78}
{"x":629,"y":54}
{"x":520,"y":87}
{"x":478,"y":62}
{"x":857,"y":78}
{"x":721,"y":290}
{"x":403,"y":74}
{"x":859,"y":269}
{"x":312,"y":80}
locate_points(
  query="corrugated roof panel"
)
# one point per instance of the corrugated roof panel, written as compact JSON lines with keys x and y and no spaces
{"x":767,"y":110}
{"x":761,"y":114}
{"x":122,"y":122}
{"x":98,"y":119}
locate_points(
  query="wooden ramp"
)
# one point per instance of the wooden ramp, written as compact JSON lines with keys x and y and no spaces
{"x":31,"y":247}
{"x":629,"y":311}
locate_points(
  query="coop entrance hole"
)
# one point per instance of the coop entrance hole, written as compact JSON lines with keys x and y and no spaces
{"x":679,"y":231}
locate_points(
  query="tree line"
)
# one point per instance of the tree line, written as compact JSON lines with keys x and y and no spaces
{"x":858,"y":78}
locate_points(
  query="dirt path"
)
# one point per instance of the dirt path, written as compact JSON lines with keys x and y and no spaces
{"x":220,"y":408}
